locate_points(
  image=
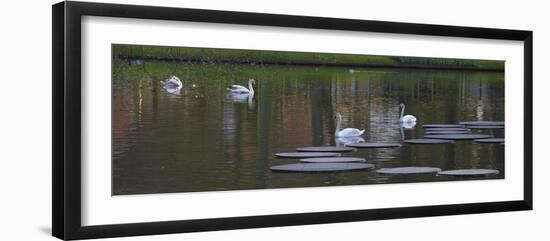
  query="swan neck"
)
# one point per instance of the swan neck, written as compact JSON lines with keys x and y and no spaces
{"x":402,"y":112}
{"x":338,"y":119}
{"x":250,"y":87}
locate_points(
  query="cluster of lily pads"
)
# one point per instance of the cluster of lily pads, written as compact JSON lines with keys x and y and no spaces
{"x":329,"y":159}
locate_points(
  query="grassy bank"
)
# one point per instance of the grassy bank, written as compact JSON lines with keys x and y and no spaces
{"x":212,"y":55}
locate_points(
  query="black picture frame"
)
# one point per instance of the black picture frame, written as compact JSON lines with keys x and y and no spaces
{"x":66,"y":129}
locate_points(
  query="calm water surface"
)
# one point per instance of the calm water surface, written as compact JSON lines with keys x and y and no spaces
{"x":205,"y":140}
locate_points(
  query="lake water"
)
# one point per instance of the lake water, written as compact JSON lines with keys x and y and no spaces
{"x":205,"y":140}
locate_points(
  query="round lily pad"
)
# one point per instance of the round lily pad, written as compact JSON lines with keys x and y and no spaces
{"x":482,"y":123}
{"x":442,"y":126}
{"x":445,"y":132}
{"x":408,"y":170}
{"x":485,"y":127}
{"x":458,"y":136}
{"x":306,"y":154}
{"x":325,"y":149}
{"x":428,"y":141}
{"x":447,"y":129}
{"x":469,"y":172}
{"x":333,"y":159}
{"x":374,"y":145}
{"x":322,"y":167}
{"x":491,"y":140}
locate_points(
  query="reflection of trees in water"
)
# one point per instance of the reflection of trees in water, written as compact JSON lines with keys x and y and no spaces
{"x":204,"y":131}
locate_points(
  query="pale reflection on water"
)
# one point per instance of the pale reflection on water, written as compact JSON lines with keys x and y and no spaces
{"x":205,"y":140}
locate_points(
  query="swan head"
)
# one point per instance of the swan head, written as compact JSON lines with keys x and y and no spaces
{"x":251,"y":81}
{"x":338,"y":116}
{"x":402,"y":105}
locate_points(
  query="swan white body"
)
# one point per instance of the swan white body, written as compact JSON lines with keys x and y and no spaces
{"x":408,"y":125}
{"x":241,"y":90}
{"x":347,"y":132}
{"x":407,"y":118}
{"x":172,"y":85}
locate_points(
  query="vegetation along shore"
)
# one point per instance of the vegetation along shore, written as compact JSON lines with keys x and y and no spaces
{"x":236,"y":56}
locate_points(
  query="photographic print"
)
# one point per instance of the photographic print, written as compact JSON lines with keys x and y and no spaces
{"x":159,"y":114}
{"x":190,"y":119}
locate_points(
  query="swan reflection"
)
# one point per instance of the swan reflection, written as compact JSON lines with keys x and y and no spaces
{"x":248,"y":99}
{"x":346,"y":140}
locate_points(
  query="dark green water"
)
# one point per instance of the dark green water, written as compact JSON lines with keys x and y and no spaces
{"x":205,"y":140}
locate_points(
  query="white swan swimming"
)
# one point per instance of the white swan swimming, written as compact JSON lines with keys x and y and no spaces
{"x":345,"y":132}
{"x":172,"y":85}
{"x":407,"y":118}
{"x":241,"y":90}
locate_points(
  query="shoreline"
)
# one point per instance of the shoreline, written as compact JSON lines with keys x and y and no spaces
{"x":301,"y":63}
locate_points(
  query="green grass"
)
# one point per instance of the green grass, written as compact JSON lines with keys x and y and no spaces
{"x":212,"y":55}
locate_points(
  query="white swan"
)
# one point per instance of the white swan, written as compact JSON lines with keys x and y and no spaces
{"x":241,"y":90}
{"x":172,"y":85}
{"x":407,"y":118}
{"x":347,"y":131}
